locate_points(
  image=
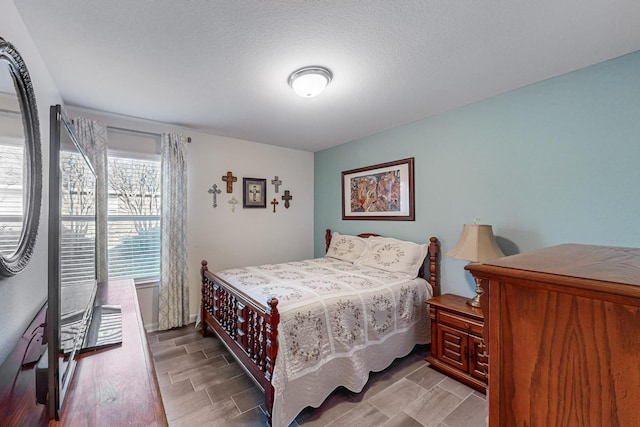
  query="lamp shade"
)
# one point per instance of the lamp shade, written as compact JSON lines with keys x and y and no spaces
{"x":309,"y":81}
{"x":476,"y":244}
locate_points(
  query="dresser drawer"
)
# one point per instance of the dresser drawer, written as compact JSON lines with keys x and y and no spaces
{"x":458,"y":322}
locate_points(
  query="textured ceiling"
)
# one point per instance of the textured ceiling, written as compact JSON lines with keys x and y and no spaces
{"x":221,"y":67}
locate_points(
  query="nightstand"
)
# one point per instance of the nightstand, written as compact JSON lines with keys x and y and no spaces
{"x":457,"y":347}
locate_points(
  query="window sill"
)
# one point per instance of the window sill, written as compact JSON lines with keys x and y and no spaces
{"x":152,"y":282}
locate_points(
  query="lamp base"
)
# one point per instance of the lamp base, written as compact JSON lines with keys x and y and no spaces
{"x":475,"y":301}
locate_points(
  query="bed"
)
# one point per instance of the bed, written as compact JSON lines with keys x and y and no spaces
{"x":301,"y":329}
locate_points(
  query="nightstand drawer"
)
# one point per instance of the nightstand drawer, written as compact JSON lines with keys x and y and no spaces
{"x":458,"y":322}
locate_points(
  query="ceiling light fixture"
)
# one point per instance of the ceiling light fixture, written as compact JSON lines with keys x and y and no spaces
{"x":308,"y":82}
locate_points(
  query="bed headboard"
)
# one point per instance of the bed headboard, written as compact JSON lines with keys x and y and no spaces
{"x":431,"y":273}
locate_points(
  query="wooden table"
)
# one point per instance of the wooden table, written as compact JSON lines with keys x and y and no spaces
{"x":115,"y":386}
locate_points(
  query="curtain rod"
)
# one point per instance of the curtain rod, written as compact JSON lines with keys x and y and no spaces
{"x":143,"y":132}
{"x":139,"y":131}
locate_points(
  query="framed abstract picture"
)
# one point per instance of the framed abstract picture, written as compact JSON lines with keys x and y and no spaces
{"x":379,"y":192}
{"x":254,"y":193}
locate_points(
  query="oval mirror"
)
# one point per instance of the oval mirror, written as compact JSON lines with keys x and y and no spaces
{"x":20,"y":163}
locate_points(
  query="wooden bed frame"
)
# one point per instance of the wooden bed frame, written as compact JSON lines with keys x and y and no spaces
{"x":249,"y":328}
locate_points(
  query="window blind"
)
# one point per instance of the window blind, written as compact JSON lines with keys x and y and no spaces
{"x":11,"y":197}
{"x":78,"y":220}
{"x":134,"y":218}
{"x":77,"y":250}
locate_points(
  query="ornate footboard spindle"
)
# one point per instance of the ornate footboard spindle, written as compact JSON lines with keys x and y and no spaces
{"x":272,"y":319}
{"x":232,"y":319}
{"x":206,"y":297}
{"x":259,"y":343}
{"x":225,"y":309}
{"x":221,"y":304}
{"x":250,"y":333}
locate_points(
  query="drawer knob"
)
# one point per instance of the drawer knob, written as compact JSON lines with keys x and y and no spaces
{"x":466,"y":326}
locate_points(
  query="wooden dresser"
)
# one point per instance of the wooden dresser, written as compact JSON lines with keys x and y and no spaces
{"x":111,"y":387}
{"x":562,"y":327}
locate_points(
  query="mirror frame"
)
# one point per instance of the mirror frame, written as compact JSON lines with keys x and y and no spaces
{"x":16,"y":262}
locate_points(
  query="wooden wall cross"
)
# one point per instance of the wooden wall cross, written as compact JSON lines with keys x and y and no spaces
{"x":274,"y":202}
{"x":215,"y":191}
{"x":229,"y":179}
{"x":276,"y":183}
{"x":287,"y":196}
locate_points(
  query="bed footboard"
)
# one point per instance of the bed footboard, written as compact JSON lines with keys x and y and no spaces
{"x":248,"y":329}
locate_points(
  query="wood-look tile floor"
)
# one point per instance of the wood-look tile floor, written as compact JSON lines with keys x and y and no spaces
{"x":202,"y":385}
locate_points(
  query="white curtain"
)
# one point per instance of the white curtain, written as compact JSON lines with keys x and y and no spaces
{"x":173,"y":301}
{"x":92,"y":136}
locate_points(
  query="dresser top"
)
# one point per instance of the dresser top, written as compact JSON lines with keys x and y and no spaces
{"x":603,"y":272}
{"x":603,"y":263}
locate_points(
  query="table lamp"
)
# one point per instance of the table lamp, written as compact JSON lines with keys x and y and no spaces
{"x":476,"y":244}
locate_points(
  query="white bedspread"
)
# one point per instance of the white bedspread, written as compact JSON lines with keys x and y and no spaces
{"x":338,"y":322}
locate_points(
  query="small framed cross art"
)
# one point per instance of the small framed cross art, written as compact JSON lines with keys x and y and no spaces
{"x":254,"y":193}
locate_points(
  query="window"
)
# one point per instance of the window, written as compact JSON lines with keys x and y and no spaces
{"x":11,"y":198}
{"x":134,"y":218}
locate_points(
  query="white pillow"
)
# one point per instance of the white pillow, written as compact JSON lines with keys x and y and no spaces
{"x":393,"y":255}
{"x":346,"y":248}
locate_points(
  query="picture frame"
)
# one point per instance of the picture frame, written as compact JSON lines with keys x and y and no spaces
{"x":254,"y":193}
{"x":379,"y":192}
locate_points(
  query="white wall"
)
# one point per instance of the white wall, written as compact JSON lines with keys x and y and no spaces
{"x":224,"y":238}
{"x":248,"y":236}
{"x":23,"y":295}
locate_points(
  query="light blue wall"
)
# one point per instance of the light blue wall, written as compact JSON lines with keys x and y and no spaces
{"x":554,"y":162}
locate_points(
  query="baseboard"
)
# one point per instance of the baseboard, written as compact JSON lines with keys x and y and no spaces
{"x":153,"y":327}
